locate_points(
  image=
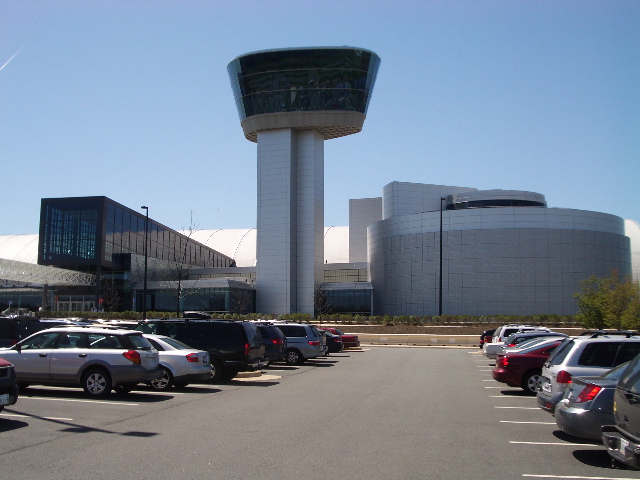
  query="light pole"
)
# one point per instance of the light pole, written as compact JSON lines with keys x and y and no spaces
{"x":146,"y":242}
{"x":440,"y":284}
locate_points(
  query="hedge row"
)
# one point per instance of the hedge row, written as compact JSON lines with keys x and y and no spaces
{"x":551,"y":319}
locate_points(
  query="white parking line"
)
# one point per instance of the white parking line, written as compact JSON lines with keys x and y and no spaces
{"x":31,"y":416}
{"x":523,"y":397}
{"x":577,"y":477}
{"x":520,"y":408}
{"x":564,"y":444}
{"x":534,"y":423}
{"x":100,"y":402}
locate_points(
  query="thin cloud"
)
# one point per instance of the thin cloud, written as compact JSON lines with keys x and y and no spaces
{"x":11,"y":58}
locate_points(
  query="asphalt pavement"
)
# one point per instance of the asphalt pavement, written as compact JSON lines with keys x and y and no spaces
{"x":378,"y":413}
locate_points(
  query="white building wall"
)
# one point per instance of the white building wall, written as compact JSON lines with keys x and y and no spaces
{"x":403,"y":198}
{"x":362,"y":213}
{"x":632,"y":229}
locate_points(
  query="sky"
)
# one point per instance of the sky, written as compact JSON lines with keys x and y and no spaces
{"x":132,"y":100}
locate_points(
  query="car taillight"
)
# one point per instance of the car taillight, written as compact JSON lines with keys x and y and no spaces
{"x":563,"y":377}
{"x":588,"y":393}
{"x":193,"y":358}
{"x":512,"y":345}
{"x":132,"y":355}
{"x":502,"y":361}
{"x":277,"y":341}
{"x":314,"y":343}
{"x":247,"y":349}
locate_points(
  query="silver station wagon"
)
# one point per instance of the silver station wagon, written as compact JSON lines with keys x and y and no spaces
{"x":97,"y":359}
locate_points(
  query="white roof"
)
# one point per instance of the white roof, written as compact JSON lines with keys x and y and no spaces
{"x":20,"y":248}
{"x":239,"y":244}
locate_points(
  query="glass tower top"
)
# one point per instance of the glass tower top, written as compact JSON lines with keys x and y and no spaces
{"x":319,"y":79}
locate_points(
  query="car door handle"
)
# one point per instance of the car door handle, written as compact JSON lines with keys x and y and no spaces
{"x":82,"y":355}
{"x":42,"y":354}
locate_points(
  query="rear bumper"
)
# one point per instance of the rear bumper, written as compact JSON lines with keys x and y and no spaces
{"x":8,"y":395}
{"x":581,"y":423}
{"x":548,"y":402}
{"x":134,"y":375}
{"x":620,"y":447}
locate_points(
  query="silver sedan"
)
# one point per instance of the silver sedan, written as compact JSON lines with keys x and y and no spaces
{"x":180,"y":363}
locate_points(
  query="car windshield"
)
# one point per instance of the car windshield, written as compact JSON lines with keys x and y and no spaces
{"x":616,"y":372}
{"x":539,"y":346}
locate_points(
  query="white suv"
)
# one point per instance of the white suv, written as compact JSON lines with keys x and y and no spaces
{"x":98,"y":359}
{"x":582,"y":356}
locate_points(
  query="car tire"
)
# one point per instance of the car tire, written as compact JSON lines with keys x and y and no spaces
{"x":123,"y":389}
{"x":96,"y":383}
{"x":293,"y":357}
{"x":217,"y":373}
{"x":531,"y":382}
{"x":163,"y":382}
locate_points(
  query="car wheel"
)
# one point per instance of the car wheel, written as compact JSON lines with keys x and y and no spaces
{"x":96,"y":383}
{"x":293,"y":357}
{"x":217,"y":373}
{"x":163,"y":382}
{"x":124,"y":388}
{"x":532,"y":382}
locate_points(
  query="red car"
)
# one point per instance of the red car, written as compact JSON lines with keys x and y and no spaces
{"x":523,"y":369}
{"x":8,"y":386}
{"x":348,"y":340}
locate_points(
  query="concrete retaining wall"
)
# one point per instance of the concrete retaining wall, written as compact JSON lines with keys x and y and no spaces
{"x":419,"y":340}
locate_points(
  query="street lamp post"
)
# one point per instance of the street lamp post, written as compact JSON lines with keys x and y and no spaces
{"x":146,"y":242}
{"x":440,"y":284}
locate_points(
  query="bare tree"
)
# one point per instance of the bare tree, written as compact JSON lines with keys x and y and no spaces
{"x":181,"y":264}
{"x":110,"y":294}
{"x":241,"y":301}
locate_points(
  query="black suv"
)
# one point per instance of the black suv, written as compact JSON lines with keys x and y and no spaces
{"x":8,"y":385}
{"x":14,"y":329}
{"x":275,"y":343}
{"x":233,"y":346}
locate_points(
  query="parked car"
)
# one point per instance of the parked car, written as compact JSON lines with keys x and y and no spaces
{"x":8,"y":385}
{"x":334,"y":342}
{"x":303,"y":342}
{"x":486,"y":336}
{"x":622,"y":437}
{"x":14,"y":329}
{"x":180,"y":363}
{"x":490,"y":350}
{"x":517,"y":338}
{"x":582,"y":356}
{"x":523,"y":369}
{"x":349,"y":340}
{"x":587,"y":404}
{"x":275,"y":343}
{"x":95,"y":358}
{"x":233,"y":346}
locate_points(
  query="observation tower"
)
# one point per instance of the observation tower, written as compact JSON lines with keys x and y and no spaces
{"x":290,"y":101}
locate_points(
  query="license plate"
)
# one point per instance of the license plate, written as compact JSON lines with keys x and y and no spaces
{"x":623,"y":446}
{"x":4,"y":399}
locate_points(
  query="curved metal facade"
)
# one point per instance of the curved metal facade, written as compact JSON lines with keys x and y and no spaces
{"x":513,"y":260}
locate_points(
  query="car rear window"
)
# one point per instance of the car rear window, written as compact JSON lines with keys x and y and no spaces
{"x":599,"y":354}
{"x":293,"y":330}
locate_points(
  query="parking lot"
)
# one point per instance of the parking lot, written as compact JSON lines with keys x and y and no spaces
{"x":379,"y":413}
